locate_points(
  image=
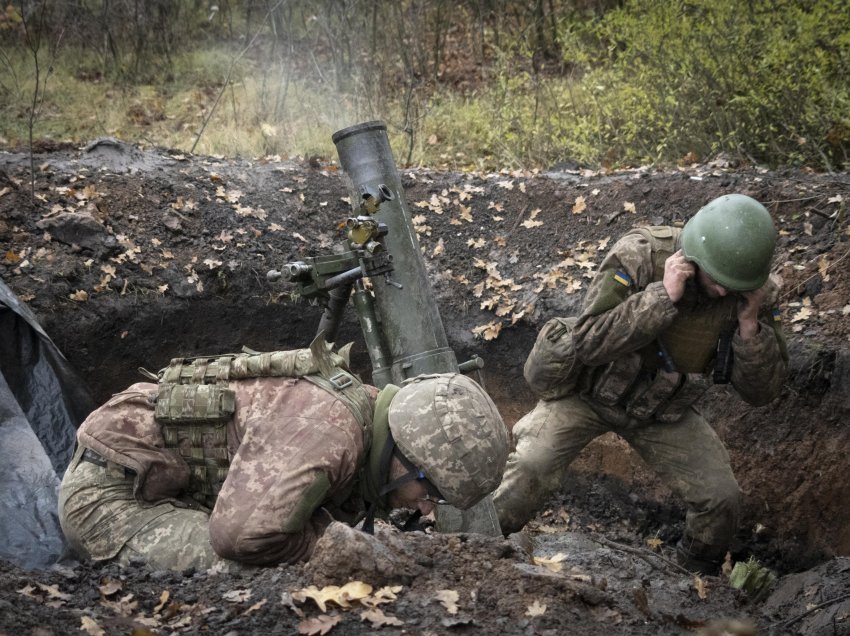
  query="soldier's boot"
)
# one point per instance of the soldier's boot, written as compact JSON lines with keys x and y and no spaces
{"x":522,"y":493}
{"x":701,"y":558}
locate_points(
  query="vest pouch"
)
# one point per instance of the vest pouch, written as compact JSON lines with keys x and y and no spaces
{"x":615,"y":380}
{"x":185,"y":403}
{"x":644,"y":403}
{"x":551,"y":369}
{"x":693,"y":388}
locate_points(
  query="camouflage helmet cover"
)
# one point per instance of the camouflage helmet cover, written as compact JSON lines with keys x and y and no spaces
{"x":448,"y":426}
{"x":732,"y":240}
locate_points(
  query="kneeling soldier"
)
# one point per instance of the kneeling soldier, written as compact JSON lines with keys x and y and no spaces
{"x":250,"y":457}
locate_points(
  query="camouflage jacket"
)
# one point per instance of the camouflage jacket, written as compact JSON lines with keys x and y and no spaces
{"x":627,"y":312}
{"x":294,"y":447}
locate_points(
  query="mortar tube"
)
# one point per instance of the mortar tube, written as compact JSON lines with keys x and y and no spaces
{"x":408,"y":313}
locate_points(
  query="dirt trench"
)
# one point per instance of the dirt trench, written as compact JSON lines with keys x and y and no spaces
{"x":174,"y":263}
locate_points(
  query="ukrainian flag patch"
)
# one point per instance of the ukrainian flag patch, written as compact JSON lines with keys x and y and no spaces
{"x":622,"y":278}
{"x":777,"y":317}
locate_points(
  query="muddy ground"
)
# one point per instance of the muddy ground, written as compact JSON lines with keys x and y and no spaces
{"x":130,"y":257}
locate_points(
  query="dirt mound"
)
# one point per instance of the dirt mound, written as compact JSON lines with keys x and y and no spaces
{"x":132,"y":257}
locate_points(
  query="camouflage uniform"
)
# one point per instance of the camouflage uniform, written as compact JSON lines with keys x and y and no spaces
{"x":620,"y":384}
{"x":295,"y":450}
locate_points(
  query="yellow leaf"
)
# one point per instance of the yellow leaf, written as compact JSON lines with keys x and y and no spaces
{"x":699,"y":586}
{"x":654,"y":543}
{"x":79,"y":295}
{"x":110,"y":587}
{"x":11,"y":258}
{"x":355,"y":590}
{"x":490,"y":331}
{"x":448,"y":599}
{"x":90,"y":627}
{"x":466,"y":213}
{"x":378,"y":618}
{"x":528,"y":223}
{"x":163,"y":599}
{"x":628,"y":206}
{"x":254,"y":607}
{"x":726,"y":568}
{"x":804,"y":314}
{"x":554,"y":563}
{"x":386,"y":594}
{"x":536,"y":609}
{"x":579,"y":206}
{"x":318,"y":625}
{"x":236,"y":596}
{"x":475,"y":243}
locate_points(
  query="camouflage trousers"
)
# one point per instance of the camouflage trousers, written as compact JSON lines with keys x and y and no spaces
{"x":102,"y":519}
{"x":687,"y":455}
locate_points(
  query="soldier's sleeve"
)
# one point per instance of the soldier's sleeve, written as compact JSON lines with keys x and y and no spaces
{"x":761,"y":363}
{"x":624,"y":309}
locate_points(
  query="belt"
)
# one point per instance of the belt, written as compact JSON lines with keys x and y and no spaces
{"x":96,"y":458}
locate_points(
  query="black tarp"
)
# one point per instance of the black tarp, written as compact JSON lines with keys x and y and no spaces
{"x":42,"y":401}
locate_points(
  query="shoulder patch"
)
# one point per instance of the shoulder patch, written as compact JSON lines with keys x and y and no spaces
{"x":776,"y":314}
{"x":622,"y":278}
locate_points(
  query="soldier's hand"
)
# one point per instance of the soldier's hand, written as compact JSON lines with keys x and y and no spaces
{"x":748,"y":312}
{"x":677,"y":271}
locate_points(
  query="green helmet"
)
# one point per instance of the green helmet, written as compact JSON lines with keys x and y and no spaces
{"x":732,"y":240}
{"x":448,"y":426}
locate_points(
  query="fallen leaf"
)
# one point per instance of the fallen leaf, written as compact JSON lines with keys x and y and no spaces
{"x":490,"y":331}
{"x":475,"y":243}
{"x":699,"y":586}
{"x":90,"y":627}
{"x":448,"y":599}
{"x":79,"y":295}
{"x":125,"y":606}
{"x":236,"y":596}
{"x":536,"y":609}
{"x":163,"y":599}
{"x":110,"y":587}
{"x":579,"y":206}
{"x":804,"y":314}
{"x":318,"y":625}
{"x":654,"y":543}
{"x":553,"y":563}
{"x":352,"y":591}
{"x":836,"y":199}
{"x":628,"y":206}
{"x":378,"y":618}
{"x":11,"y":258}
{"x":439,"y":248}
{"x":726,"y":568}
{"x":254,"y":607}
{"x":386,"y":594}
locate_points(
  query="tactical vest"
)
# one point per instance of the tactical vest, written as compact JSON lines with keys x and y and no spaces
{"x":194,"y":403}
{"x":666,"y":377}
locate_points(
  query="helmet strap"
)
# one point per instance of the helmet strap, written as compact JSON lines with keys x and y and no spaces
{"x":389,"y":451}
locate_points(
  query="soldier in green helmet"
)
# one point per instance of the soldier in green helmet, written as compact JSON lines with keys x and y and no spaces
{"x":248,"y":458}
{"x":670,"y":313}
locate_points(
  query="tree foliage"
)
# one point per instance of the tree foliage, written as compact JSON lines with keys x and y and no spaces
{"x":493,"y":83}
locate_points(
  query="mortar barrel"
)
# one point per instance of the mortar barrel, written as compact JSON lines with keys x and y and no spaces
{"x":407,"y":311}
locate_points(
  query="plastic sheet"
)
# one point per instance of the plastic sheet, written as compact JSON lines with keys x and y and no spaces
{"x":42,"y":401}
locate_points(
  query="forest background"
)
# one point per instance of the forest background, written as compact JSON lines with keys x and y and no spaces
{"x":469,"y":85}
